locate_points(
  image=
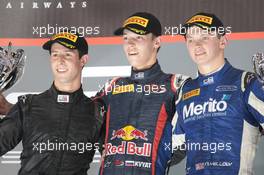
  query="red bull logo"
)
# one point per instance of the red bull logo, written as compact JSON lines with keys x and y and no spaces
{"x":129,"y":133}
{"x":137,"y":134}
{"x":118,"y":134}
{"x":133,"y":149}
{"x":128,"y":148}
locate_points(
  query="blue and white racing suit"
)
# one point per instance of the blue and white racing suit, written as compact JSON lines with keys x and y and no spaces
{"x":217,"y":122}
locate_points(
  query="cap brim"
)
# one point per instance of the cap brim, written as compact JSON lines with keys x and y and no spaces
{"x":47,"y":45}
{"x":119,"y":31}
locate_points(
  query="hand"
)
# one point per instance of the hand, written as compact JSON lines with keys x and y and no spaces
{"x":5,"y":106}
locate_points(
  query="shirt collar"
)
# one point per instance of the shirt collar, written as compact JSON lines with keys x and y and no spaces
{"x":65,"y":97}
{"x":146,"y":74}
{"x":205,"y":80}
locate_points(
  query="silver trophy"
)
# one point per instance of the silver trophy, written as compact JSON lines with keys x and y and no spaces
{"x":258,"y":65}
{"x":11,"y":66}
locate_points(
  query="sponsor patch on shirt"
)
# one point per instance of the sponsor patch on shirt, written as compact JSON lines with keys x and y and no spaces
{"x":131,"y":163}
{"x":63,"y":98}
{"x":129,"y":132}
{"x":191,"y":93}
{"x":207,"y":81}
{"x":199,"y":166}
{"x":224,"y":88}
{"x":118,"y":163}
{"x":226,"y":97}
{"x":212,"y":164}
{"x":139,"y":75}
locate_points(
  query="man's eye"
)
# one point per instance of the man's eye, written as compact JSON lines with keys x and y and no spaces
{"x":68,"y":55}
{"x":54,"y":54}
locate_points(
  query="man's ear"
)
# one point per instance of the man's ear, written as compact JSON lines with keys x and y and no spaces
{"x":157,"y":42}
{"x":84,"y":59}
{"x":223,"y":42}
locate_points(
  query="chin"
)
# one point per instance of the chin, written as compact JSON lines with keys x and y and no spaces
{"x":64,"y":81}
{"x":199,"y":60}
{"x":62,"y":78}
{"x":134,"y":63}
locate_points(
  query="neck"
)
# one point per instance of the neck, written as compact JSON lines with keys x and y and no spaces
{"x":211,"y":67}
{"x":143,"y":67}
{"x":146,"y":66}
{"x":67,"y":87}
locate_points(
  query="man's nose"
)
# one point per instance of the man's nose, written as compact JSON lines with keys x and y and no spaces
{"x":61,"y":58}
{"x":197,"y":43}
{"x":131,"y":41}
